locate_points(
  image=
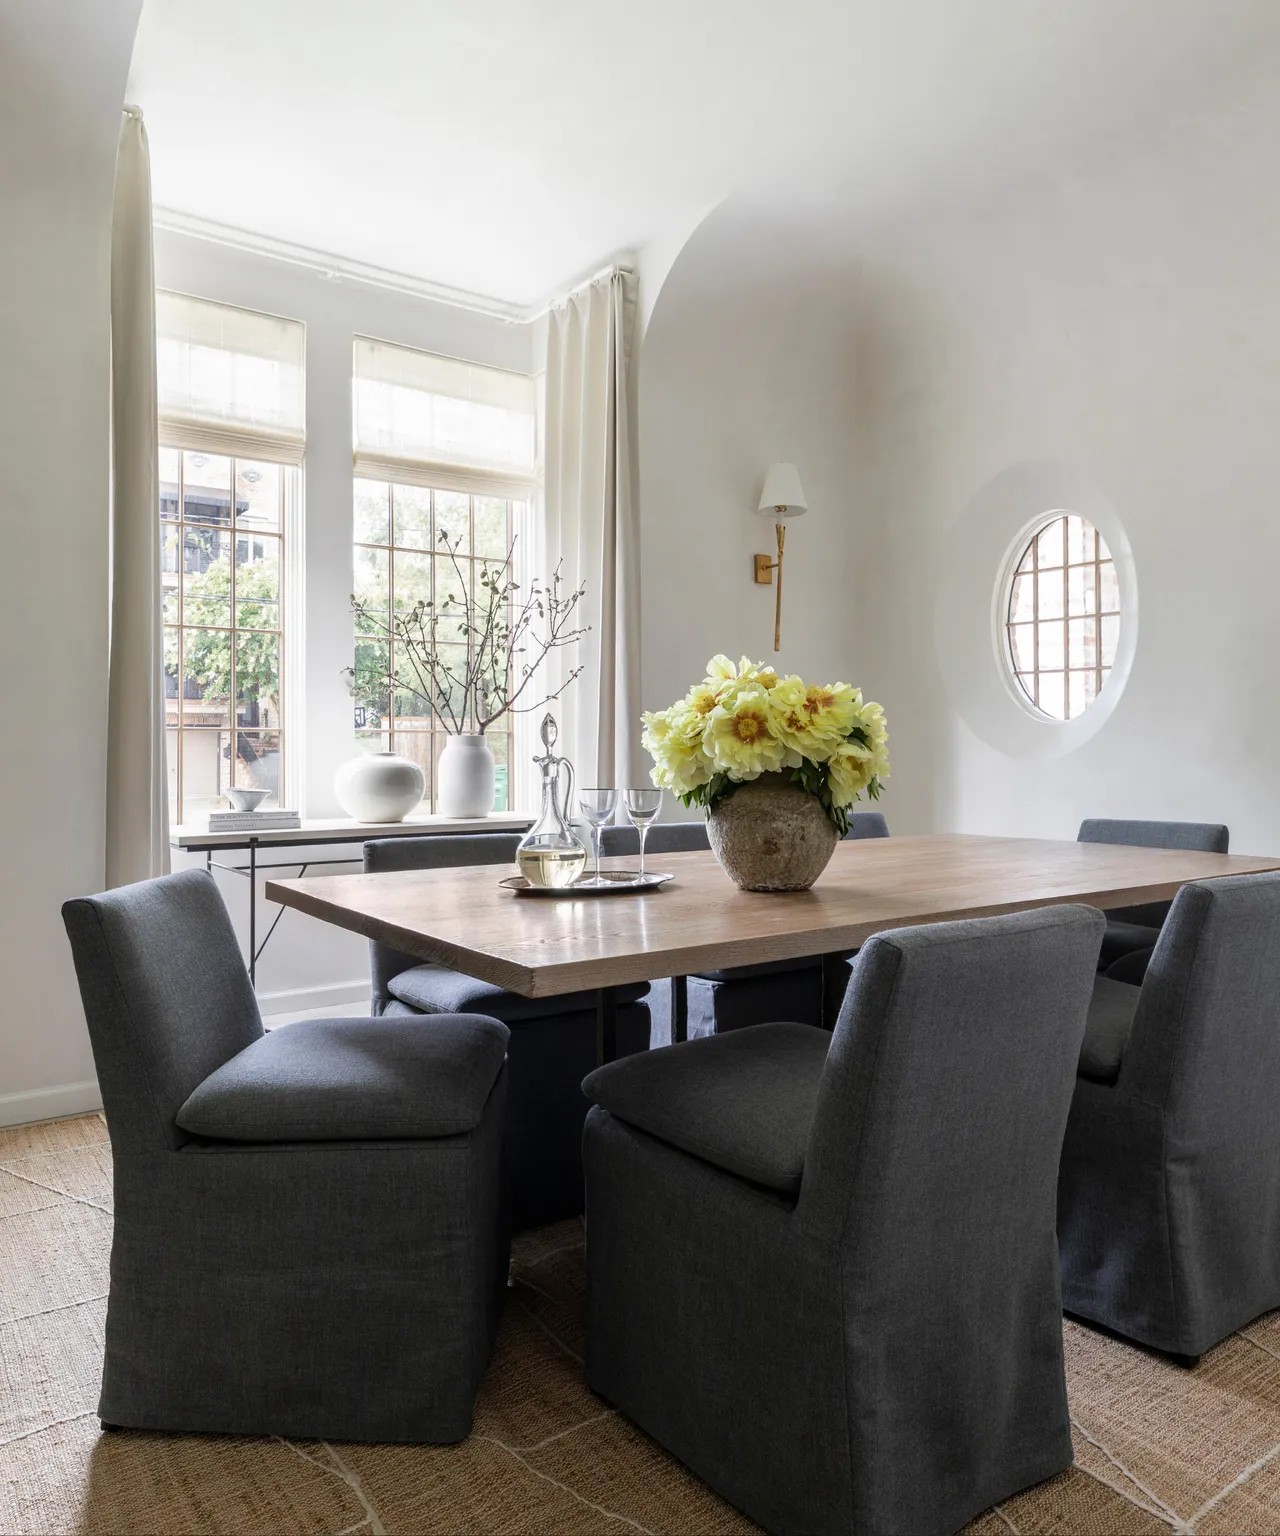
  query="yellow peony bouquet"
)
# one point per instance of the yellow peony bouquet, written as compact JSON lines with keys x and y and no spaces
{"x":744,"y":721}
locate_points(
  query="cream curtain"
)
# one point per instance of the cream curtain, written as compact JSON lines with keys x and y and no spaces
{"x":589,"y":521}
{"x":137,"y":796}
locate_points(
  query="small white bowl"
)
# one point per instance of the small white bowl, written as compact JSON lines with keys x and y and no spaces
{"x":246,"y":799}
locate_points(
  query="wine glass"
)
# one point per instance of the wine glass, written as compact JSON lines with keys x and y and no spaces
{"x":597,"y":806}
{"x":642,"y":807}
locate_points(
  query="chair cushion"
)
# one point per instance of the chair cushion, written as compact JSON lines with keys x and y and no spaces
{"x":1106,"y":1033}
{"x":352,"y":1080}
{"x":743,"y":1101}
{"x":437,"y":989}
{"x":1122,"y":938}
{"x":1131,"y":967}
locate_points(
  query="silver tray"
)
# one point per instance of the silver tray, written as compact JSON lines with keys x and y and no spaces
{"x":613,"y":882}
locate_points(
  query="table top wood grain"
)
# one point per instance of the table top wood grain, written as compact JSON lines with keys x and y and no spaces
{"x":701,"y":921}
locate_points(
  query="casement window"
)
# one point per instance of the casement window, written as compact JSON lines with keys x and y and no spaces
{"x":1062,"y":622}
{"x":230,"y":386}
{"x":445,"y":463}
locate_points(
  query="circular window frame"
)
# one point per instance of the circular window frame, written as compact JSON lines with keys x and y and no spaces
{"x":1016,"y":554}
{"x":973,"y":567}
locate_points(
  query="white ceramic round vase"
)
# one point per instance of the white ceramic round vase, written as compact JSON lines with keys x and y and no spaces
{"x":379,"y":786}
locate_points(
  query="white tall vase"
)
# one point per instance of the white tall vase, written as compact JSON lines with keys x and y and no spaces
{"x":464,"y":779}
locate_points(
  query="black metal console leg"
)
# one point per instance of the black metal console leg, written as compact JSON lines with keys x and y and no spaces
{"x":679,"y":1009}
{"x":606,"y":1026}
{"x":253,"y":912}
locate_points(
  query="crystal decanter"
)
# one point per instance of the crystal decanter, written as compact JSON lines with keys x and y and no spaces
{"x":550,"y":852}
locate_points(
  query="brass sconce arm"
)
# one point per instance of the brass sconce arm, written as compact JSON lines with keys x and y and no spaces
{"x":764,"y":569}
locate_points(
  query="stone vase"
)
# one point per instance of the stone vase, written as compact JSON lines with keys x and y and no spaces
{"x":464,"y":779}
{"x":771,"y":835}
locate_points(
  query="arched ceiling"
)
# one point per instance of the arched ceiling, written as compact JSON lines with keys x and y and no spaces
{"x":507,"y":147}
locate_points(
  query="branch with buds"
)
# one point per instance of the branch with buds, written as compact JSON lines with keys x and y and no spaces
{"x":467,"y":659}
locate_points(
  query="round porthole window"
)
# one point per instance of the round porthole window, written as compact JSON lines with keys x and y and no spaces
{"x":1062,"y":621}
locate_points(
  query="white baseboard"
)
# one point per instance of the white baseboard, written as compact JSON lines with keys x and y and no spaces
{"x":51,"y":1103}
{"x":303,"y":999}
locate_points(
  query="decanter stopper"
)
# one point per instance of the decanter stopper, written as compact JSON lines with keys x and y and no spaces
{"x":550,"y":731}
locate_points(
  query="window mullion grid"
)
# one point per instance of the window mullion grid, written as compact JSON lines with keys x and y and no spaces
{"x":433,"y":716}
{"x":179,"y":734}
{"x":1035,"y":621}
{"x":282,"y":736}
{"x":391,"y":617}
{"x":233,"y":734}
{"x":1066,"y":620}
{"x":1097,"y":603}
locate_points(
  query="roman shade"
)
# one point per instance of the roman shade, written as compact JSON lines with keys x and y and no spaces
{"x":423,"y":419}
{"x":230,"y":380}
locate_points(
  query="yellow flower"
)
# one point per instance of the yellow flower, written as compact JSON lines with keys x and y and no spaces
{"x":674,"y":739}
{"x":701,"y":699}
{"x":720,"y":672}
{"x":727,"y":678}
{"x":871,"y":719}
{"x":850,"y":769}
{"x":741,"y":739}
{"x":812,"y":719}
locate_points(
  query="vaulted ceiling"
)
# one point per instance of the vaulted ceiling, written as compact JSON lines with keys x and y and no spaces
{"x":507,"y":147}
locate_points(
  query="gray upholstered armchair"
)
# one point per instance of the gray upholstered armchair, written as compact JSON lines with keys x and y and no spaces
{"x":553,"y":1039}
{"x":309,"y":1229}
{"x":821,"y":1269}
{"x":1132,"y":931}
{"x":1169,"y":1197}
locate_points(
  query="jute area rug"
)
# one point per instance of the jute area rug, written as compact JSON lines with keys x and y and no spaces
{"x":1158,"y":1449}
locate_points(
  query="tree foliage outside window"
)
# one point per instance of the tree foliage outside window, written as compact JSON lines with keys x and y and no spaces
{"x":209,"y":651}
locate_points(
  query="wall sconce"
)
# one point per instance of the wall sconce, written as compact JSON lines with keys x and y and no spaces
{"x":782,"y":497}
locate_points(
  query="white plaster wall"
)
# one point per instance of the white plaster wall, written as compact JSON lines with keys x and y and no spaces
{"x":63,"y":66}
{"x":309,"y":964}
{"x":746,"y":359}
{"x":1123,"y":318}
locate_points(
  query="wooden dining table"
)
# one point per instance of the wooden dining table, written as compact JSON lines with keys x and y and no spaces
{"x":700,"y":921}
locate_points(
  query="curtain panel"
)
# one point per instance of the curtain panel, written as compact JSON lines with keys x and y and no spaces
{"x":137,"y":798}
{"x":589,"y":523}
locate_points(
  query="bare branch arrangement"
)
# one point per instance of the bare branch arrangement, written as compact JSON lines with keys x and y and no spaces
{"x":471,"y":659}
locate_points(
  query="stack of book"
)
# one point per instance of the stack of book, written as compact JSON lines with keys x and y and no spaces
{"x":254,"y":821}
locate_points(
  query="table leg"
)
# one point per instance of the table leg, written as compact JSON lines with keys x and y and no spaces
{"x":253,"y":912}
{"x":679,"y":1009}
{"x":606,"y":1025}
{"x":835,"y":979}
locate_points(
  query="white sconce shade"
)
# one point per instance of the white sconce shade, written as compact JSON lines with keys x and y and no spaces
{"x":783,"y":495}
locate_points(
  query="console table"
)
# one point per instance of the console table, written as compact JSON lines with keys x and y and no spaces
{"x":315,"y":834}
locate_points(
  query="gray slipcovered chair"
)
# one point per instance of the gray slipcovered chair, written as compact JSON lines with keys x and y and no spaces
{"x":1169,"y":1195}
{"x":310,"y":1237}
{"x":1132,"y":931}
{"x":553,"y":1039}
{"x":821,"y":1268}
{"x":726,"y":999}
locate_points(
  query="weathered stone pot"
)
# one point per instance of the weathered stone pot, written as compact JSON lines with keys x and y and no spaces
{"x":771,"y":835}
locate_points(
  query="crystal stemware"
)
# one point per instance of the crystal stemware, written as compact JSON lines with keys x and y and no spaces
{"x":642,"y":807}
{"x":597,"y":806}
